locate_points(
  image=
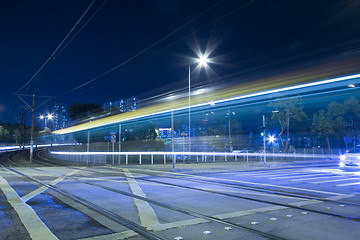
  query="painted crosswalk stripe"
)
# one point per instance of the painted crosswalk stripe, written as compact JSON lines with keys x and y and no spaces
{"x":276,"y":175}
{"x":311,"y":178}
{"x":291,"y":176}
{"x":336,"y":180}
{"x":348,"y":184}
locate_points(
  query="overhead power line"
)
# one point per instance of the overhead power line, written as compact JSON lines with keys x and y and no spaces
{"x":145,"y":49}
{"x":61,"y":46}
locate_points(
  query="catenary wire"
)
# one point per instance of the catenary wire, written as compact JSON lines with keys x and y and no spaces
{"x":144,"y":50}
{"x":53,"y":55}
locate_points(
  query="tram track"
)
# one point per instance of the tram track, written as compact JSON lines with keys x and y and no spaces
{"x":121,"y":220}
{"x":256,"y":189}
{"x":246,"y":187}
{"x":106,"y":213}
{"x":192,"y":213}
{"x":183,"y":211}
{"x":306,"y":197}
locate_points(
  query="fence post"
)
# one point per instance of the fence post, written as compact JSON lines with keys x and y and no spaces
{"x":126,"y":159}
{"x":139,"y":159}
{"x":152,"y":158}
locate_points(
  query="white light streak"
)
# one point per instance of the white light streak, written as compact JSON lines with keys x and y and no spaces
{"x":257,"y":94}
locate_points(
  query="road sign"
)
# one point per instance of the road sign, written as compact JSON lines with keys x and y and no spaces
{"x":113,"y":132}
{"x":113,"y":138}
{"x":107,"y":138}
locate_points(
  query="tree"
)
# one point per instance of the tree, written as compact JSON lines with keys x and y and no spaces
{"x":285,"y":109}
{"x":352,"y":108}
{"x":326,"y":123}
{"x":81,"y":110}
{"x":4,"y":132}
{"x":17,"y":135}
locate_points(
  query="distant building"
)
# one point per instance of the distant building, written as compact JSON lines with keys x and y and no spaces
{"x":60,"y":117}
{"x":164,"y":133}
{"x":131,"y":104}
{"x":121,"y":105}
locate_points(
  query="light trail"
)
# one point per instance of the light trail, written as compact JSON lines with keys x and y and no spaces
{"x":240,"y":92}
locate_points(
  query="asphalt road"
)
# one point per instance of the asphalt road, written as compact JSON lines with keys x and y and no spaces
{"x":226,"y":200}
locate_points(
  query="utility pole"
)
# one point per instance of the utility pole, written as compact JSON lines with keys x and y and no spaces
{"x":21,"y":129}
{"x":32,"y":111}
{"x":264,"y":139}
{"x":24,"y":136}
{"x":32,"y":129}
{"x":189,"y":110}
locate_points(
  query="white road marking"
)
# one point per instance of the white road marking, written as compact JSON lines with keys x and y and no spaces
{"x":336,"y":180}
{"x":348,"y":184}
{"x":33,"y":224}
{"x":238,"y":181}
{"x":114,"y":236}
{"x":311,"y":178}
{"x":297,"y":176}
{"x":147,"y":215}
{"x":42,"y":189}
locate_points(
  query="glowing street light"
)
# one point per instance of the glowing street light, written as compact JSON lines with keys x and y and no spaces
{"x":202,"y":60}
{"x":49,"y":117}
{"x":271,"y":139}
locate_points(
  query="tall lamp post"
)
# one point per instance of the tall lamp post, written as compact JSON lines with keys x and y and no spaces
{"x":49,"y":117}
{"x":202,"y":62}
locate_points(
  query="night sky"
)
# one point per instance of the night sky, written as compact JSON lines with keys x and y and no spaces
{"x":153,"y":42}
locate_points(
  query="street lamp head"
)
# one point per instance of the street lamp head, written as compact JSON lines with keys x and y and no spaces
{"x":41,"y":117}
{"x":271,"y":139}
{"x":202,"y":60}
{"x":50,"y":116}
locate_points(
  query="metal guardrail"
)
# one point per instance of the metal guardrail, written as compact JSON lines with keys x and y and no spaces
{"x":102,"y":157}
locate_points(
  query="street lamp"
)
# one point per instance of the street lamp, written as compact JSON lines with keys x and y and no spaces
{"x":202,"y":61}
{"x":49,"y":117}
{"x":271,"y":139}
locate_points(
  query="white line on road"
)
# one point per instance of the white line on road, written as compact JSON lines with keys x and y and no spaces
{"x":147,"y":215}
{"x":311,"y":178}
{"x":297,"y":176}
{"x":336,"y":180}
{"x":347,"y":184}
{"x":33,"y":224}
